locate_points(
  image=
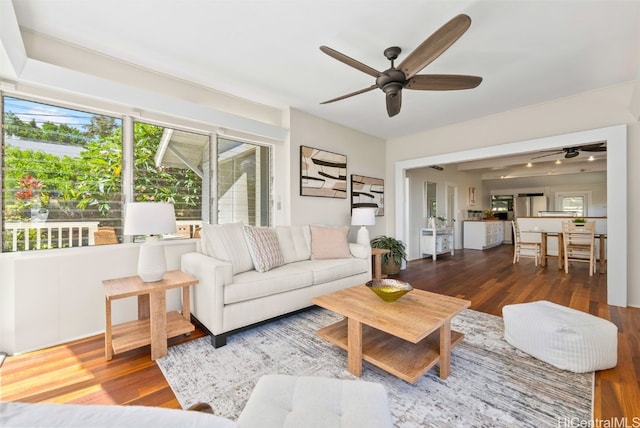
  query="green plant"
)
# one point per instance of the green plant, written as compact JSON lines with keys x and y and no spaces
{"x":579,"y":220}
{"x":397,"y":249}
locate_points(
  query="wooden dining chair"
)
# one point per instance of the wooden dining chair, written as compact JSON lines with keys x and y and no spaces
{"x":532,"y":249}
{"x":579,"y":244}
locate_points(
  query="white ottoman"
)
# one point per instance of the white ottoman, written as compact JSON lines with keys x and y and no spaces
{"x":305,"y":401}
{"x":564,"y":337}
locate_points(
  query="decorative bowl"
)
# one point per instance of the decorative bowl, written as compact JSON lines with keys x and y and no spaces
{"x":389,"y":290}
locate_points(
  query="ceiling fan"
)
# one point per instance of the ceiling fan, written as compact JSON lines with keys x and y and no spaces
{"x":572,"y":152}
{"x":393,"y":80}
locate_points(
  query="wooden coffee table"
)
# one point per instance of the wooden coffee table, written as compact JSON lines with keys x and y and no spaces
{"x":405,"y":338}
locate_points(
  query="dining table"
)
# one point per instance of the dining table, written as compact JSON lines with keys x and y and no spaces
{"x":544,"y":235}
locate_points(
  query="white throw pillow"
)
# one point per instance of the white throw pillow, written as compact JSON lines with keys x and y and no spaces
{"x":264,"y":248}
{"x":329,"y":242}
{"x":294,"y":242}
{"x":226,"y":242}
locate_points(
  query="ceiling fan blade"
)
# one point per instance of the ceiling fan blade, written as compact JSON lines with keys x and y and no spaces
{"x":361,"y":91}
{"x":435,"y":45}
{"x":443,"y":82}
{"x":350,"y":61}
{"x":394,"y":102}
{"x":548,"y":154}
{"x":596,"y":147}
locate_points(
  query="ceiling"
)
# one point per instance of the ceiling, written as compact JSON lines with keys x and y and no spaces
{"x":267,"y":51}
{"x":536,"y":164}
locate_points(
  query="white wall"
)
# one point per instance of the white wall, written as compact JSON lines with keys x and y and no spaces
{"x":597,"y":109}
{"x":593,"y":182}
{"x":365,"y":156}
{"x":54,"y":296}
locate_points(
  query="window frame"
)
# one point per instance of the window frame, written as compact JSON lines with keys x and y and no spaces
{"x":584,"y":194}
{"x":128,"y":116}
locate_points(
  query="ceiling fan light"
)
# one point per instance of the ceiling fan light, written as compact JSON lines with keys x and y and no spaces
{"x":571,"y":154}
{"x":392,"y":88}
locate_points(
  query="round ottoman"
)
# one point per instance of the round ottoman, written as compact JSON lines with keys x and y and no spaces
{"x":566,"y":338}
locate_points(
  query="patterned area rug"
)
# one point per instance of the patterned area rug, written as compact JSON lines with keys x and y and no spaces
{"x":491,"y":383}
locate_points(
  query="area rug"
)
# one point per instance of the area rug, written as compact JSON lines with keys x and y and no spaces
{"x":491,"y":383}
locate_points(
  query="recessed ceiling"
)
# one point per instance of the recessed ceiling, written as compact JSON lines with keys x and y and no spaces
{"x":527,"y":52}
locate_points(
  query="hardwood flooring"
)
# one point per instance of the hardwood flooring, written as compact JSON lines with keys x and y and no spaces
{"x":78,"y":373}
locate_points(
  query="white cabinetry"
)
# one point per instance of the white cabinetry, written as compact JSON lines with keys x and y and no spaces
{"x":436,"y":241}
{"x":508,"y":232}
{"x":479,"y":235}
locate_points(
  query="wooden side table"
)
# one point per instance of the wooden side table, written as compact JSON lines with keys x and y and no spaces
{"x":377,"y":253}
{"x":154,"y":325}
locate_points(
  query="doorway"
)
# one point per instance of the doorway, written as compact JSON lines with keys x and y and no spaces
{"x":616,"y":137}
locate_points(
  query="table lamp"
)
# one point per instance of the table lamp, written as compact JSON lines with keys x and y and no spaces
{"x":363,"y":217}
{"x":151,"y":219}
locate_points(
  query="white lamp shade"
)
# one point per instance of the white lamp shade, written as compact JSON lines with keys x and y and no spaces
{"x":149,"y":218}
{"x":363,"y":217}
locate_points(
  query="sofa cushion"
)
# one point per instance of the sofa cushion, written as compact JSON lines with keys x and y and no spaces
{"x":253,"y":285}
{"x":295,"y":242}
{"x":16,"y":414}
{"x":329,"y":242}
{"x":264,"y":248}
{"x":226,"y":242}
{"x":327,"y":270}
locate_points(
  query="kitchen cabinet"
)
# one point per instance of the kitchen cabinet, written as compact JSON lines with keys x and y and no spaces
{"x":508,"y":232}
{"x":480,"y":235}
{"x":434,"y":241}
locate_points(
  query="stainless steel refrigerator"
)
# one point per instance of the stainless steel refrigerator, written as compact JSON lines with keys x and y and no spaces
{"x":528,"y":205}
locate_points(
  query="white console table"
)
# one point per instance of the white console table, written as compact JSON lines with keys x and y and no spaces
{"x":434,"y":241}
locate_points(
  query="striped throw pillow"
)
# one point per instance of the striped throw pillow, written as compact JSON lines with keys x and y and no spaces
{"x":264,"y":248}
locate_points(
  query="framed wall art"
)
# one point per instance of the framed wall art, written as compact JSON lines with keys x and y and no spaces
{"x":367,"y":192}
{"x":472,"y":196}
{"x":322,"y":173}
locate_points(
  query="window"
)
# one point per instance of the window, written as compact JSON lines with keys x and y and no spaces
{"x":244,"y":183}
{"x":168,"y":167}
{"x":62,"y":181}
{"x":574,"y":203}
{"x":61,"y":175}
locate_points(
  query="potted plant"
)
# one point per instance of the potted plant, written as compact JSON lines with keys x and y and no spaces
{"x":392,"y":260}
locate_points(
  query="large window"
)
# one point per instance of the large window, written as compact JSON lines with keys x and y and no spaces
{"x":61,"y":175}
{"x":63,"y":183}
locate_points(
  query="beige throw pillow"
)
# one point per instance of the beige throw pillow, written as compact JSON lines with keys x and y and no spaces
{"x":329,"y":242}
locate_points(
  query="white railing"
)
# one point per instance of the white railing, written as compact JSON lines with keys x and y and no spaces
{"x":50,"y":234}
{"x":64,"y":234}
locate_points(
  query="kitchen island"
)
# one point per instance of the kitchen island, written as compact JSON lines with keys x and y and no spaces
{"x":483,"y":234}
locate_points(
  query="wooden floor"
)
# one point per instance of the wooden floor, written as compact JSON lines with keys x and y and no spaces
{"x":78,"y":373}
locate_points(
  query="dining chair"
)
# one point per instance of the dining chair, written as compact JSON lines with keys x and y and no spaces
{"x":532,"y":249}
{"x":579,"y":244}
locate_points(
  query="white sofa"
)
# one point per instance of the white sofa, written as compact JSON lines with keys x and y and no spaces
{"x":278,"y":401}
{"x":251,"y":274}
